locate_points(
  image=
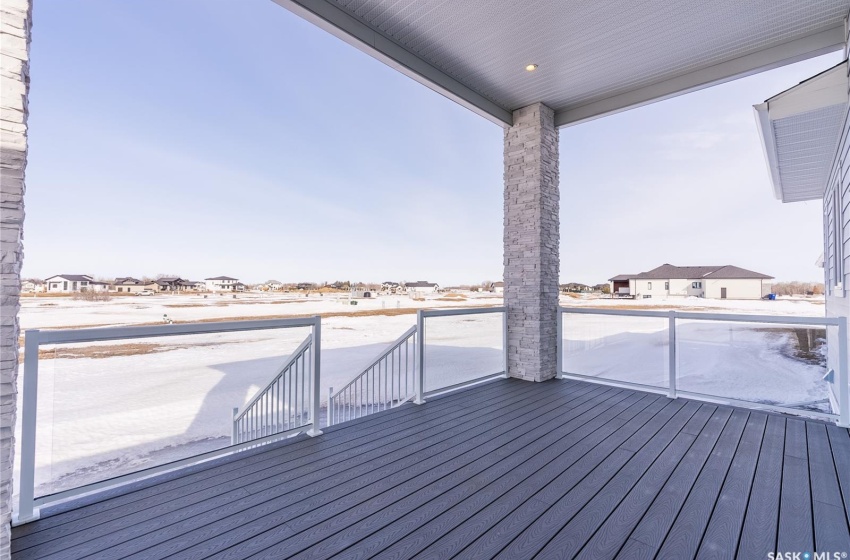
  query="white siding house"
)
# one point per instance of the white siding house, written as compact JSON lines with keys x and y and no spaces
{"x":421,"y":287}
{"x":68,"y":283}
{"x":716,"y":282}
{"x":223,"y":284}
{"x":31,"y":286}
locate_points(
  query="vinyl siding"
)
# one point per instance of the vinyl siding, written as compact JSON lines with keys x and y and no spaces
{"x":837,"y":230}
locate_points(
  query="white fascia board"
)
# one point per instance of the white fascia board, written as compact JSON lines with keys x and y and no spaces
{"x":768,"y":145}
{"x":344,"y":26}
{"x":787,"y":53}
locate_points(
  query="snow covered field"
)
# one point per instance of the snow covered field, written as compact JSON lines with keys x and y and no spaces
{"x":762,"y":363}
{"x":151,"y":401}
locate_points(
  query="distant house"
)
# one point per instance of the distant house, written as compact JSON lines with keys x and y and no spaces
{"x":716,"y":282}
{"x":392,"y":288}
{"x":96,"y":286}
{"x":32,"y":286}
{"x":223,"y":284}
{"x":421,"y":287}
{"x":130,"y":285}
{"x":360,"y":291}
{"x":171,"y":284}
{"x":499,"y":287}
{"x":68,"y":283}
{"x":187,"y":285}
{"x":274,"y":285}
{"x":576,"y":288}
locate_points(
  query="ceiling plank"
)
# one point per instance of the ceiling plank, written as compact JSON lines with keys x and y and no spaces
{"x":787,"y":53}
{"x":354,"y":32}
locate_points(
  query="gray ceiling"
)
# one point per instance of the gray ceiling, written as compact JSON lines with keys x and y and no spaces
{"x":594,"y":57}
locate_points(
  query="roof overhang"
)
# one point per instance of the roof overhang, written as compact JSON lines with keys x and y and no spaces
{"x":595,"y":58}
{"x":800,"y":129}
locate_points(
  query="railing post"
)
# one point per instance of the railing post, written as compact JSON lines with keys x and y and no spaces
{"x":420,"y":358}
{"x":841,"y":377}
{"x":330,"y":406}
{"x":671,"y":332}
{"x":29,"y":416}
{"x":234,"y":430}
{"x":505,"y":340}
{"x":315,"y":378}
{"x":559,"y":345}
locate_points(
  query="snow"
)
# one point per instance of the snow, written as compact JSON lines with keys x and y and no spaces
{"x":102,"y":417}
{"x":751,"y":362}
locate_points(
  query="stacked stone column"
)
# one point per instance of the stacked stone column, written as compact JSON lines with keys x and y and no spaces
{"x":16,"y":16}
{"x":531,"y":239}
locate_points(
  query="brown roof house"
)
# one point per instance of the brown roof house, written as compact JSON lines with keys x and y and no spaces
{"x":717,"y":282}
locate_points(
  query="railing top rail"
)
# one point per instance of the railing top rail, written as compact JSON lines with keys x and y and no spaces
{"x":602,"y":311}
{"x":386,"y":352}
{"x":288,"y":364}
{"x":118,"y":333}
{"x":728,"y":317}
{"x":746,"y":318}
{"x":461,"y":311}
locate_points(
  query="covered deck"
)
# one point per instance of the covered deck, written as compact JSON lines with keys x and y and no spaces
{"x":509,"y":469}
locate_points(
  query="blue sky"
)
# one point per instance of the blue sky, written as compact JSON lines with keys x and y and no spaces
{"x":202,"y":138}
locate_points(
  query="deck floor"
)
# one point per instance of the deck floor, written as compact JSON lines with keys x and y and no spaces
{"x":509,"y":469}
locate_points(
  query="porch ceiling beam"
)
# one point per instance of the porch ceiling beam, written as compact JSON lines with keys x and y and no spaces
{"x":767,"y":59}
{"x":354,"y":32}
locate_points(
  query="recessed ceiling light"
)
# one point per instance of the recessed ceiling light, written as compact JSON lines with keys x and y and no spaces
{"x":531,"y":67}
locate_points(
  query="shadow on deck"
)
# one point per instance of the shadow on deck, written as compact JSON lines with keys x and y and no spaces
{"x":510,"y":469}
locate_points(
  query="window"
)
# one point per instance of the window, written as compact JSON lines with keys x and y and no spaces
{"x":649,"y":285}
{"x":696,"y":285}
{"x":667,"y":286}
{"x":647,"y":296}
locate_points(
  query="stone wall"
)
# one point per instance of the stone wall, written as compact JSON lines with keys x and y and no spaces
{"x":15,"y":24}
{"x":532,"y":240}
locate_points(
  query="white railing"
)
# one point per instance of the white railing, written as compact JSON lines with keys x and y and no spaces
{"x":29,"y":504}
{"x":388,"y":381}
{"x":283,"y":404}
{"x":838,"y":379}
{"x":398,"y":374}
{"x":422,"y":316}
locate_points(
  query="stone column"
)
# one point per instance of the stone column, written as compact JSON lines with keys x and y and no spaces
{"x":14,"y":89}
{"x":532,"y":240}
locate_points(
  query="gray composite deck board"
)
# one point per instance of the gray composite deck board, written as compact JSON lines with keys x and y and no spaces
{"x":761,"y":520}
{"x":333,"y":447}
{"x":795,"y":511}
{"x":510,"y":469}
{"x":378,"y":430}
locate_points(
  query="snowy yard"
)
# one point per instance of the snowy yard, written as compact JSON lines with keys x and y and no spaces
{"x":110,"y":408}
